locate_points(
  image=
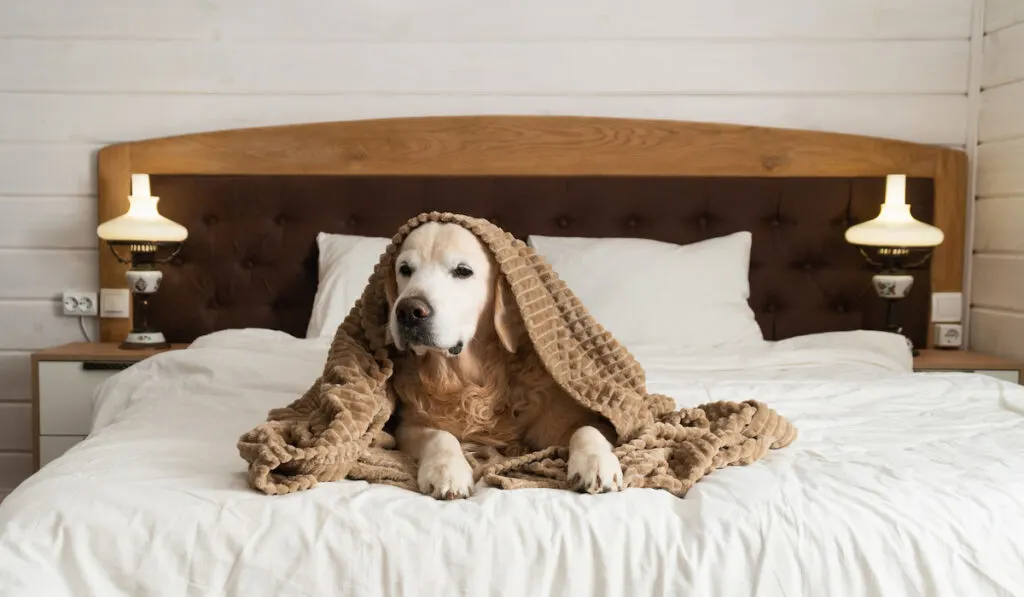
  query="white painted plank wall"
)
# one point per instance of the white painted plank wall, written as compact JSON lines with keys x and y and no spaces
{"x":997,"y":293}
{"x":77,"y":75}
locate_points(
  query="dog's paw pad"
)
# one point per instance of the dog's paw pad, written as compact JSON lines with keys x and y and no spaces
{"x":595,"y":472}
{"x":446,"y":479}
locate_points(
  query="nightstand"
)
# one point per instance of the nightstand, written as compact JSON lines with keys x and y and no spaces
{"x":968,"y":362}
{"x":63,"y":381}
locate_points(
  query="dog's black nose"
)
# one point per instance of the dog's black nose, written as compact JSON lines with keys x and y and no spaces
{"x":412,"y":311}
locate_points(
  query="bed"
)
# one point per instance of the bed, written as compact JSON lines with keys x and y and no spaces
{"x":899,"y":484}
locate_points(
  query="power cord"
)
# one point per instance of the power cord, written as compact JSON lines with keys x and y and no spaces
{"x":85,"y":332}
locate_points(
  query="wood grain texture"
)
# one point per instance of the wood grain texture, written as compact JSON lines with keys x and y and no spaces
{"x":114,"y":165}
{"x":465,"y":20}
{"x":109,"y":118}
{"x":997,"y":225}
{"x":952,"y":360}
{"x":998,"y":282}
{"x":544,"y":68}
{"x":1002,"y":113}
{"x":99,"y":351}
{"x":527,"y":145}
{"x":999,"y":168}
{"x":998,"y":332}
{"x":1004,"y":56}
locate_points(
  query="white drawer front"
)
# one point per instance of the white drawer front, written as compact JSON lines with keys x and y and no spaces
{"x":52,"y":446}
{"x":65,"y":397}
{"x":1010,"y":376}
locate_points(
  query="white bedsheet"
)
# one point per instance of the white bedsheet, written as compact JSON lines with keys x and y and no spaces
{"x":900,"y":484}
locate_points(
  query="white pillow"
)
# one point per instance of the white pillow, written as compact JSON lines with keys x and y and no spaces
{"x":345,"y":265}
{"x":650,"y":293}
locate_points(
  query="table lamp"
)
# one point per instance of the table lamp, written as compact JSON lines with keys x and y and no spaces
{"x":893,"y":242}
{"x":144,"y":233}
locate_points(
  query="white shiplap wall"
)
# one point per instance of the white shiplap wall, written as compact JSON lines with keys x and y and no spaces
{"x":76,"y":75}
{"x":997,"y":296}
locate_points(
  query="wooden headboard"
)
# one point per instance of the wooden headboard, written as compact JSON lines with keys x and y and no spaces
{"x":254,"y":199}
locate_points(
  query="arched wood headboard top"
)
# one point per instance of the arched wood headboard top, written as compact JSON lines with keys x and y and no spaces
{"x":538,"y":146}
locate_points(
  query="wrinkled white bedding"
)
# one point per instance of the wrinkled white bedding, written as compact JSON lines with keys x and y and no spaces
{"x":900,"y":484}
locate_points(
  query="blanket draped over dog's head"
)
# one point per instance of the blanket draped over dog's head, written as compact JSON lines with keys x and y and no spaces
{"x":336,"y":430}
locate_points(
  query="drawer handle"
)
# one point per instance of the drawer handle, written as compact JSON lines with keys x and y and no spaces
{"x":104,"y":366}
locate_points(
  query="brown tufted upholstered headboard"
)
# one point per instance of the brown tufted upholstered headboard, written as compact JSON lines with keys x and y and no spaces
{"x":254,"y":200}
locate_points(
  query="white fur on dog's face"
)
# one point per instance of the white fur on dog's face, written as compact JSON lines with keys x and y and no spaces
{"x":445,"y":265}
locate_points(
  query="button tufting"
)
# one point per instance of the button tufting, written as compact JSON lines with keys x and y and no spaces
{"x":352,"y":222}
{"x":776,"y":223}
{"x":212,"y":304}
{"x":808,"y":266}
{"x":563,"y":221}
{"x":247,"y":263}
{"x":281,"y":220}
{"x":633,"y":222}
{"x":840,"y":308}
{"x":702,"y":221}
{"x":770,"y":307}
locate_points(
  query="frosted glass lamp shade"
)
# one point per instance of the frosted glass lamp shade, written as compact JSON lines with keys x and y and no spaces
{"x":142,"y":222}
{"x":894,"y":226}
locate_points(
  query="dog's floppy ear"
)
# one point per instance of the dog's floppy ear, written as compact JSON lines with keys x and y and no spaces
{"x":507,"y":323}
{"x":391,"y":295}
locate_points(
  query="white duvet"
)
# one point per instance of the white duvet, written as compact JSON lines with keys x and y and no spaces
{"x":900,"y":484}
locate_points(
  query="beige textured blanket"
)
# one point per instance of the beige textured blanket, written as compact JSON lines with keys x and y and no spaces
{"x":336,"y":430}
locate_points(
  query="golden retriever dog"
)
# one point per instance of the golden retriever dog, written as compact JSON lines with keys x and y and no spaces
{"x":467,"y":377}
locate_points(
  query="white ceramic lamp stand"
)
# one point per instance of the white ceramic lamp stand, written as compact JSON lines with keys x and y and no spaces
{"x":144,"y":232}
{"x":893,"y":242}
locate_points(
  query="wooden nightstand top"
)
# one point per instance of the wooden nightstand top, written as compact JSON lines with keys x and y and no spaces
{"x":97,"y":351}
{"x":950,"y":360}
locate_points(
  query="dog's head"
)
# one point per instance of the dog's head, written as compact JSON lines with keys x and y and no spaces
{"x":445,"y":291}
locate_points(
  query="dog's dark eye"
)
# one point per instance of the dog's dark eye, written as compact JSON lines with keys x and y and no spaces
{"x":405,"y":270}
{"x":462,"y":271}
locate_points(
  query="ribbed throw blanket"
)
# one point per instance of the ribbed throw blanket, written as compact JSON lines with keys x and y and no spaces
{"x":336,"y":430}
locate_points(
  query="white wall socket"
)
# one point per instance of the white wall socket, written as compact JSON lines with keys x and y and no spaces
{"x":115,"y":303}
{"x":947,"y":307}
{"x":80,"y":303}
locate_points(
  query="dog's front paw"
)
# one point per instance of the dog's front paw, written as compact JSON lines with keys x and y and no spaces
{"x":446,"y":478}
{"x":595,"y":471}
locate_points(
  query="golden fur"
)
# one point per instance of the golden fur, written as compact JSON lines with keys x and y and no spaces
{"x":496,"y":393}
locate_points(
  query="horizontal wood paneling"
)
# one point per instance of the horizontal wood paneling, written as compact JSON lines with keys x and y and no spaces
{"x":448,"y":20}
{"x":1002,"y":113}
{"x":999,"y":224}
{"x":15,"y":467}
{"x":1000,"y":14}
{"x":47,"y":222}
{"x":998,"y":282}
{"x":47,"y":169}
{"x":16,"y":375}
{"x":1001,"y":168}
{"x":998,"y":333}
{"x":541,"y":68}
{"x":101,"y":118}
{"x":16,"y":426}
{"x":1004,"y":56}
{"x":33,"y":274}
{"x":30,"y":325}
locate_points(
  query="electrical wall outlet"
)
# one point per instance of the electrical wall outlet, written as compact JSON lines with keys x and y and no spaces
{"x":80,"y":303}
{"x":947,"y":307}
{"x":948,"y":335}
{"x":115,"y":303}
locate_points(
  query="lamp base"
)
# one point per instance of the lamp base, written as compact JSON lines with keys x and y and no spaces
{"x":145,"y":340}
